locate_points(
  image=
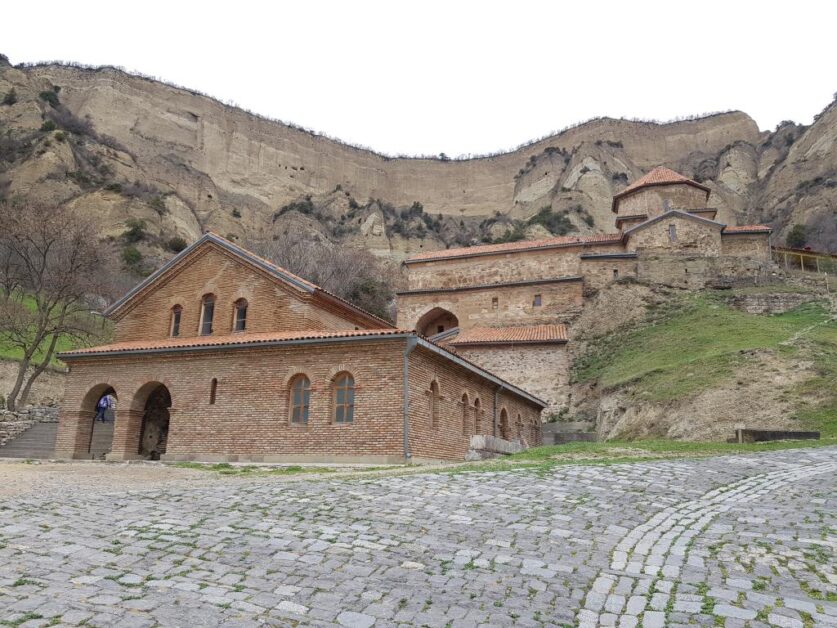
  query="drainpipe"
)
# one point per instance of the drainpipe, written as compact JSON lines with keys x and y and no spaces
{"x":412,"y":341}
{"x":496,"y":404}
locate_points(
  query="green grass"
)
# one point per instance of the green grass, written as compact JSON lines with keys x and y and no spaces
{"x":693,"y":344}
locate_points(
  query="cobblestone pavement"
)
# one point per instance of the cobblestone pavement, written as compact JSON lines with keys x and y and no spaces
{"x":732,"y":541}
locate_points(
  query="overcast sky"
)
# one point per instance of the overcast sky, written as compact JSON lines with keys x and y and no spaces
{"x":455,"y":77}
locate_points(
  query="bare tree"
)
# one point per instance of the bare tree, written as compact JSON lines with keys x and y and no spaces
{"x":352,"y":274}
{"x":51,"y":266}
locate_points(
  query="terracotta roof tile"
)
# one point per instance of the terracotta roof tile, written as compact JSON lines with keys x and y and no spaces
{"x":230,"y":339}
{"x":512,"y":335}
{"x":522,"y":245}
{"x":747,"y":228}
{"x":658,"y":176}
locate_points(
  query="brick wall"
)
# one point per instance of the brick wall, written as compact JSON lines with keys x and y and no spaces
{"x":651,"y":200}
{"x":515,"y":305}
{"x":250,"y":419}
{"x":271,"y":305}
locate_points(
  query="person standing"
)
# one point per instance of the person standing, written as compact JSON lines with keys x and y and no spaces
{"x":104,"y":404}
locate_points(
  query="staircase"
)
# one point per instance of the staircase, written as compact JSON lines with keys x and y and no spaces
{"x":569,"y":432}
{"x":36,"y":442}
{"x":102,"y":440}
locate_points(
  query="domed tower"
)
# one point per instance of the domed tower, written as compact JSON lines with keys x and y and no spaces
{"x":659,"y":191}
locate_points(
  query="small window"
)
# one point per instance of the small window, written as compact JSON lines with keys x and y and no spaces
{"x":344,"y":398}
{"x":672,"y":233}
{"x":504,"y":425}
{"x":495,"y":303}
{"x":434,"y":403}
{"x":440,"y":329}
{"x":207,"y":313}
{"x":176,"y":313}
{"x":616,"y":273}
{"x":465,"y":414}
{"x":477,"y":416}
{"x":300,"y":399}
{"x":537,"y":301}
{"x":240,"y":315}
{"x":213,"y":391}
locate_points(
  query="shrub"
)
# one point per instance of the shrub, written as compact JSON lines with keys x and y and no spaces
{"x":68,"y":121}
{"x":51,"y":97}
{"x":61,"y":136}
{"x":131,"y":256}
{"x":48,"y":126}
{"x":10,"y":98}
{"x":176,"y":244}
{"x":797,"y":236}
{"x":114,"y":187}
{"x":236,"y":213}
{"x":589,"y":220}
{"x":135,"y":231}
{"x":158,"y":204}
{"x":555,"y":223}
{"x":305,"y":206}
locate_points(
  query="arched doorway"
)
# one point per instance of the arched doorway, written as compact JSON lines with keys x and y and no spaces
{"x":100,"y":428}
{"x":154,"y":401}
{"x":436,"y":321}
{"x":504,"y":425}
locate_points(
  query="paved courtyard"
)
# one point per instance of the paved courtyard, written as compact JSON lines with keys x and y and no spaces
{"x":732,"y":541}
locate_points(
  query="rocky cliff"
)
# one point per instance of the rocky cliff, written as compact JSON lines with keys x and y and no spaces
{"x":126,"y":147}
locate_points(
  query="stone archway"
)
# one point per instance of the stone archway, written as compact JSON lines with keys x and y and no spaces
{"x":98,"y":434}
{"x":154,"y":400}
{"x":436,"y":321}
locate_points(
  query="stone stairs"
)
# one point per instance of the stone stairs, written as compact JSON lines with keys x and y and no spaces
{"x":102,"y":440}
{"x":569,"y":432}
{"x":36,"y":442}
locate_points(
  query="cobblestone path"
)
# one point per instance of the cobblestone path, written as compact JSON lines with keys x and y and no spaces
{"x":734,"y":541}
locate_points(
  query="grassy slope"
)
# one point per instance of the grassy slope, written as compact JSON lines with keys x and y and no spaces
{"x":698,"y":341}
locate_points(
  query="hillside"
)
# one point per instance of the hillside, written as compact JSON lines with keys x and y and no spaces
{"x":127,"y":147}
{"x":684,"y":366}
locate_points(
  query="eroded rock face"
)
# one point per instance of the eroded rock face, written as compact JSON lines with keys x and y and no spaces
{"x":218,"y":167}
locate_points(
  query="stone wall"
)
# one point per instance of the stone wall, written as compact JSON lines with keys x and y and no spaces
{"x":690,"y":237}
{"x":772,"y":302}
{"x":531,"y":265}
{"x":250,"y":416}
{"x":599,"y":272}
{"x":542,"y":370}
{"x":515,"y":305}
{"x":652,"y":200}
{"x":754,"y":245}
{"x":697,"y":272}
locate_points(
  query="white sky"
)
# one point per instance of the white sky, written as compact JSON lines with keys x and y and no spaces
{"x":455,"y":77}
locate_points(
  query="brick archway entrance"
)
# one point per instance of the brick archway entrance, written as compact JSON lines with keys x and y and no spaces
{"x":154,"y":429}
{"x":98,"y":435}
{"x":436,"y":321}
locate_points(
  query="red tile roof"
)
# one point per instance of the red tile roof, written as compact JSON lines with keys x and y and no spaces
{"x":522,"y":245}
{"x":230,"y":339}
{"x":747,"y":229}
{"x":535,"y":334}
{"x":658,"y":176}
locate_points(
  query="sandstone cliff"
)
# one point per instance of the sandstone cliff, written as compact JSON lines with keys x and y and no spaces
{"x":123,"y":146}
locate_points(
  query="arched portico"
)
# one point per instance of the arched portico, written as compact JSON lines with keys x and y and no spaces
{"x":142,"y":427}
{"x":436,"y":321}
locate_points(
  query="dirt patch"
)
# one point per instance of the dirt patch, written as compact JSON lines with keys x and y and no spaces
{"x":47,"y":390}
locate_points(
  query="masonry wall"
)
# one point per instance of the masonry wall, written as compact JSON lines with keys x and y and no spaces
{"x":451,"y":435}
{"x":271,"y":306}
{"x":692,"y":237}
{"x":651,"y":200}
{"x":696,"y":272}
{"x":542,"y":370}
{"x":513,"y":266}
{"x":754,"y":245}
{"x":515,"y":305}
{"x":598,"y":273}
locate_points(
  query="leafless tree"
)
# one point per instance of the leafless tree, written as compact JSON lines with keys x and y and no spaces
{"x":352,"y":274}
{"x":51,"y":266}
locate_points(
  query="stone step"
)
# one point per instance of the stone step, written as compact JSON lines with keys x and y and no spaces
{"x":36,"y":442}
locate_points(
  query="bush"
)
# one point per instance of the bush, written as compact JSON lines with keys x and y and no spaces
{"x":555,"y":223}
{"x":48,"y":126}
{"x":51,"y":97}
{"x":135,"y":231}
{"x":68,"y":121}
{"x":61,"y":136}
{"x":131,"y":256}
{"x":158,"y":204}
{"x":797,"y":236}
{"x":236,"y":213}
{"x":114,"y":187}
{"x":176,"y":244}
{"x":10,"y":98}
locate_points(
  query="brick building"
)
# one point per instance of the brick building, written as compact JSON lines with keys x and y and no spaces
{"x":223,"y":356}
{"x":508,"y":306}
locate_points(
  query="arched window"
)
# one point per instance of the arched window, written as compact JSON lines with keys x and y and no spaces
{"x":213,"y":390}
{"x":465,"y":414}
{"x":434,"y":403}
{"x":518,"y":426}
{"x":504,"y":424}
{"x":300,"y":399}
{"x":174,"y":327}
{"x":207,"y":313}
{"x":240,"y":315}
{"x":477,"y":416}
{"x":344,"y":398}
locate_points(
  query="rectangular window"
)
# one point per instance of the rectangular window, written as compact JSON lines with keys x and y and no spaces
{"x":536,"y":302}
{"x":495,"y":303}
{"x":616,"y":273}
{"x":175,"y":323}
{"x":672,"y":233}
{"x":302,"y":397}
{"x":206,"y":322}
{"x":240,"y":318}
